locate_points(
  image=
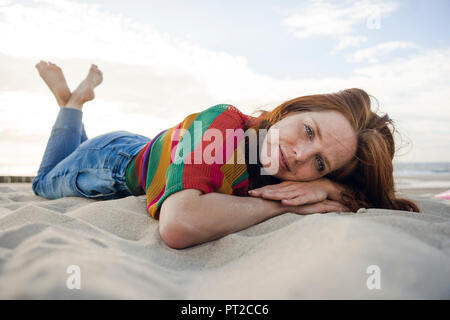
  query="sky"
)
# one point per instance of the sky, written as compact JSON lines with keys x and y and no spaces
{"x":163,"y":60}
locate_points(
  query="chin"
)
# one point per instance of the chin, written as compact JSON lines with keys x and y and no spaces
{"x":281,"y":175}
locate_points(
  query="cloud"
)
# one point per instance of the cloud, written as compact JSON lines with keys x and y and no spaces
{"x":340,"y":20}
{"x":326,"y":18}
{"x":350,"y":41}
{"x":143,"y":66}
{"x":373,"y":54}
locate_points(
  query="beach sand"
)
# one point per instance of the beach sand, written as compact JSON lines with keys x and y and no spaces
{"x":120,"y":255}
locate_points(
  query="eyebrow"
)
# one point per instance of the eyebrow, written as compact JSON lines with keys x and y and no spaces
{"x":328,"y":166}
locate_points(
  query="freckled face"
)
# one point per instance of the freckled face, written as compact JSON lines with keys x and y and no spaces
{"x":309,"y":145}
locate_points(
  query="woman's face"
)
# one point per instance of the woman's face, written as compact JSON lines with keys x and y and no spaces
{"x":310,"y":145}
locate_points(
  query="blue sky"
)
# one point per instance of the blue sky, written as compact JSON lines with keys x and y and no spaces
{"x":162,"y":60}
{"x":252,"y":29}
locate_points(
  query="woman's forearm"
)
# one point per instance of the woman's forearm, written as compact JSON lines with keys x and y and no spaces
{"x":206,"y":217}
{"x":225,"y":214}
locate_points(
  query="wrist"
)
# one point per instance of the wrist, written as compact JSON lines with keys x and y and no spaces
{"x":280,"y":208}
{"x":276,"y":207}
{"x":333,"y":189}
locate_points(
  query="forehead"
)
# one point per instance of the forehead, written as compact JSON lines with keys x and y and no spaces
{"x":338,"y":138}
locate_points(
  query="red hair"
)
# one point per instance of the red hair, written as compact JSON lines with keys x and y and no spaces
{"x":369,"y":175}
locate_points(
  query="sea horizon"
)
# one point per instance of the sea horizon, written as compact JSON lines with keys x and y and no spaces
{"x":401,"y":169}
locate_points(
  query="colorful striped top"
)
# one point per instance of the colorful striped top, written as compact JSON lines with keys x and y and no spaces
{"x":203,"y":152}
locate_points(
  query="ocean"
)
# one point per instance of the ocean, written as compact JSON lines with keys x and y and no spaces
{"x":424,"y":179}
{"x":421,"y":168}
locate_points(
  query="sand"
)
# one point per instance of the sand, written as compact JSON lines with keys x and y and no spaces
{"x":120,"y":254}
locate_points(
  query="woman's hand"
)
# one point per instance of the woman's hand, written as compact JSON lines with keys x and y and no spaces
{"x":294,"y":193}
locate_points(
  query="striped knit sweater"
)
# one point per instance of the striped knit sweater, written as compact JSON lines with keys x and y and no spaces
{"x":170,"y":161}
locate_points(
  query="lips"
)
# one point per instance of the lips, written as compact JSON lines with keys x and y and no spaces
{"x":283,"y":160}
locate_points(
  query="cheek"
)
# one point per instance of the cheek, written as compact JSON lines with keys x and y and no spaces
{"x":306,"y":173}
{"x":344,"y":157}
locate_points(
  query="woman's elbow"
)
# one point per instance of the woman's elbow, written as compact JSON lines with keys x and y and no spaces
{"x":174,"y":235}
{"x":178,"y":219}
{"x":173,"y":227}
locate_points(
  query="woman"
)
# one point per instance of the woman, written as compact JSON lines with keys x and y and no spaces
{"x":318,"y":153}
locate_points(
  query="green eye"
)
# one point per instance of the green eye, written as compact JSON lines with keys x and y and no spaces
{"x":320,"y":164}
{"x":308,"y":131}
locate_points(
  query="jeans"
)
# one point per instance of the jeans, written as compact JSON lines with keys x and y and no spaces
{"x":75,"y":166}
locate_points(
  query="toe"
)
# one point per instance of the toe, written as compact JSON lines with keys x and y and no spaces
{"x":42,"y":64}
{"x":54,"y":66}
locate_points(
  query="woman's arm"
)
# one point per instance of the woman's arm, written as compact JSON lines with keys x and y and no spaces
{"x":189,"y":217}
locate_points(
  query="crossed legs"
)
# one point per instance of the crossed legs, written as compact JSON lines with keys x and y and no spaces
{"x":68,"y":131}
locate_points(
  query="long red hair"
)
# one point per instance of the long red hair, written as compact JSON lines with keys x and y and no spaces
{"x":369,"y":175}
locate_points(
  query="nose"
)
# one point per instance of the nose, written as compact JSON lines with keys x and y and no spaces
{"x":302,"y":153}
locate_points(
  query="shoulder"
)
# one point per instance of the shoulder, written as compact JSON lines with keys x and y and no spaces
{"x":225,"y":113}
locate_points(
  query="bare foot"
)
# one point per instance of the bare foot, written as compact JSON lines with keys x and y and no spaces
{"x":55,"y":80}
{"x":85,"y":90}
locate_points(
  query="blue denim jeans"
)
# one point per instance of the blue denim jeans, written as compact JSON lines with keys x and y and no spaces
{"x":75,"y":166}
